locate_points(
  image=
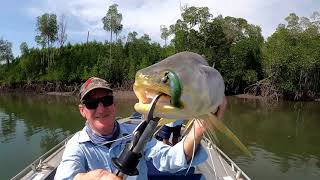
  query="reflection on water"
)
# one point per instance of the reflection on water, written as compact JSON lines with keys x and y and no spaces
{"x":8,"y":124}
{"x":283,"y":137}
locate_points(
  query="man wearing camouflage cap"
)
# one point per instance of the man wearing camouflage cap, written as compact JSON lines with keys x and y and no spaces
{"x":97,"y":108}
{"x":89,"y":152}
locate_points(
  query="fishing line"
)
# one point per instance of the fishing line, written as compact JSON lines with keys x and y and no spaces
{"x":214,"y":168}
{"x":211,"y":158}
{"x":125,"y":137}
{"x":210,"y":142}
{"x":219,"y":157}
{"x":193,"y":150}
{"x":118,"y":139}
{"x":223,"y":165}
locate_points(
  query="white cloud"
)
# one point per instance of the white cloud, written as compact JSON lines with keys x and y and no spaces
{"x":146,"y":16}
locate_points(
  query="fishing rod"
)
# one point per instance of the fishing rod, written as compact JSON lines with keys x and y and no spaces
{"x":129,"y":158}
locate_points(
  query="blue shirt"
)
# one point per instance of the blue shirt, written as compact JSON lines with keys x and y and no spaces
{"x":177,"y":122}
{"x":82,"y":155}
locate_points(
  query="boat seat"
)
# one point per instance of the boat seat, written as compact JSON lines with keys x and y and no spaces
{"x":177,"y":177}
{"x":135,"y":115}
{"x":155,"y":174}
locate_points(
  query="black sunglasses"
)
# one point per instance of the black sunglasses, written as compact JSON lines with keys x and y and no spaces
{"x":93,"y":103}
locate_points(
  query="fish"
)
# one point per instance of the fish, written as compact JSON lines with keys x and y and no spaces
{"x":202,"y":87}
{"x":191,"y":90}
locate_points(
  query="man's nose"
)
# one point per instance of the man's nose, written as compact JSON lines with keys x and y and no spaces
{"x":100,"y":106}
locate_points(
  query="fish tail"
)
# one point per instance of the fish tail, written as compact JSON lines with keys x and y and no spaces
{"x":187,"y":127}
{"x":214,"y":123}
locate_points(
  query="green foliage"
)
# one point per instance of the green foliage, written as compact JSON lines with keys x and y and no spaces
{"x":112,"y":20}
{"x":47,"y":29}
{"x":195,"y":15}
{"x":292,"y":59}
{"x":140,"y":53}
{"x":231,"y":44}
{"x":165,"y":33}
{"x":75,"y":63}
{"x":5,"y":51}
{"x":24,"y":48}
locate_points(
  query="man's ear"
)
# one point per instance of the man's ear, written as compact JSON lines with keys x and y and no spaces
{"x":81,"y":109}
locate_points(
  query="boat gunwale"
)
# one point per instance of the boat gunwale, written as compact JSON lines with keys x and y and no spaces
{"x":36,"y":164}
{"x":230,"y":162}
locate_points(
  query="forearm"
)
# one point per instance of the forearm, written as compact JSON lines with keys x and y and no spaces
{"x":192,"y":140}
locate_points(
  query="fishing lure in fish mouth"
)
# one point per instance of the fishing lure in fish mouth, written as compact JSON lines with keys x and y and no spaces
{"x":175,"y":87}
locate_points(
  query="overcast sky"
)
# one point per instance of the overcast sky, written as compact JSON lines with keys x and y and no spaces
{"x":18,"y":17}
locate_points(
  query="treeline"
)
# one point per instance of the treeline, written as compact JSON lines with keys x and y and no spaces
{"x":75,"y":63}
{"x":291,"y":59}
{"x":286,"y":65}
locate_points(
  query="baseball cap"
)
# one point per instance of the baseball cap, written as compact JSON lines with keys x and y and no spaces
{"x":91,"y":84}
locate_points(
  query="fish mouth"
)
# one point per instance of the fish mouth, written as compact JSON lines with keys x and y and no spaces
{"x":147,"y":92}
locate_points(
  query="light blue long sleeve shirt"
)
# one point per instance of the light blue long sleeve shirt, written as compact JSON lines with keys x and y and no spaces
{"x":175,"y":123}
{"x":82,"y":155}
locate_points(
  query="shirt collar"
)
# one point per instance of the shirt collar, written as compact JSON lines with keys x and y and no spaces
{"x":84,"y":137}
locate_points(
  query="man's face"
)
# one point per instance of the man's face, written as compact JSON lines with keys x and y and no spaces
{"x":102,"y":118}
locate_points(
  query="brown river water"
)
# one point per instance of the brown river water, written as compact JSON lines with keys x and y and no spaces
{"x":284,"y":137}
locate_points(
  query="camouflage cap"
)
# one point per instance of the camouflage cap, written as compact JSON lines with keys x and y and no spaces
{"x":91,"y":84}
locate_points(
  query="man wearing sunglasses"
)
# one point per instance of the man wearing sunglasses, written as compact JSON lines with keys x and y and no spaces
{"x":89,"y":152}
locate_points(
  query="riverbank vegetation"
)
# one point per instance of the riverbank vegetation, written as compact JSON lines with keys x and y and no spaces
{"x":286,"y":65}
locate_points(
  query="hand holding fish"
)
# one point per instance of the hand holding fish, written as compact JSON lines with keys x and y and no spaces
{"x":221,"y":109}
{"x":199,"y":127}
{"x":97,"y":174}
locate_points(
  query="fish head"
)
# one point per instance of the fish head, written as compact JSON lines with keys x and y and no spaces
{"x":190,"y":87}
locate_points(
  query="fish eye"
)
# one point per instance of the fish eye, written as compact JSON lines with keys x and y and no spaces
{"x":164,"y":79}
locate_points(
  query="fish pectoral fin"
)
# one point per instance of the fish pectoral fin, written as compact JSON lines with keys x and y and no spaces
{"x":213,"y":121}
